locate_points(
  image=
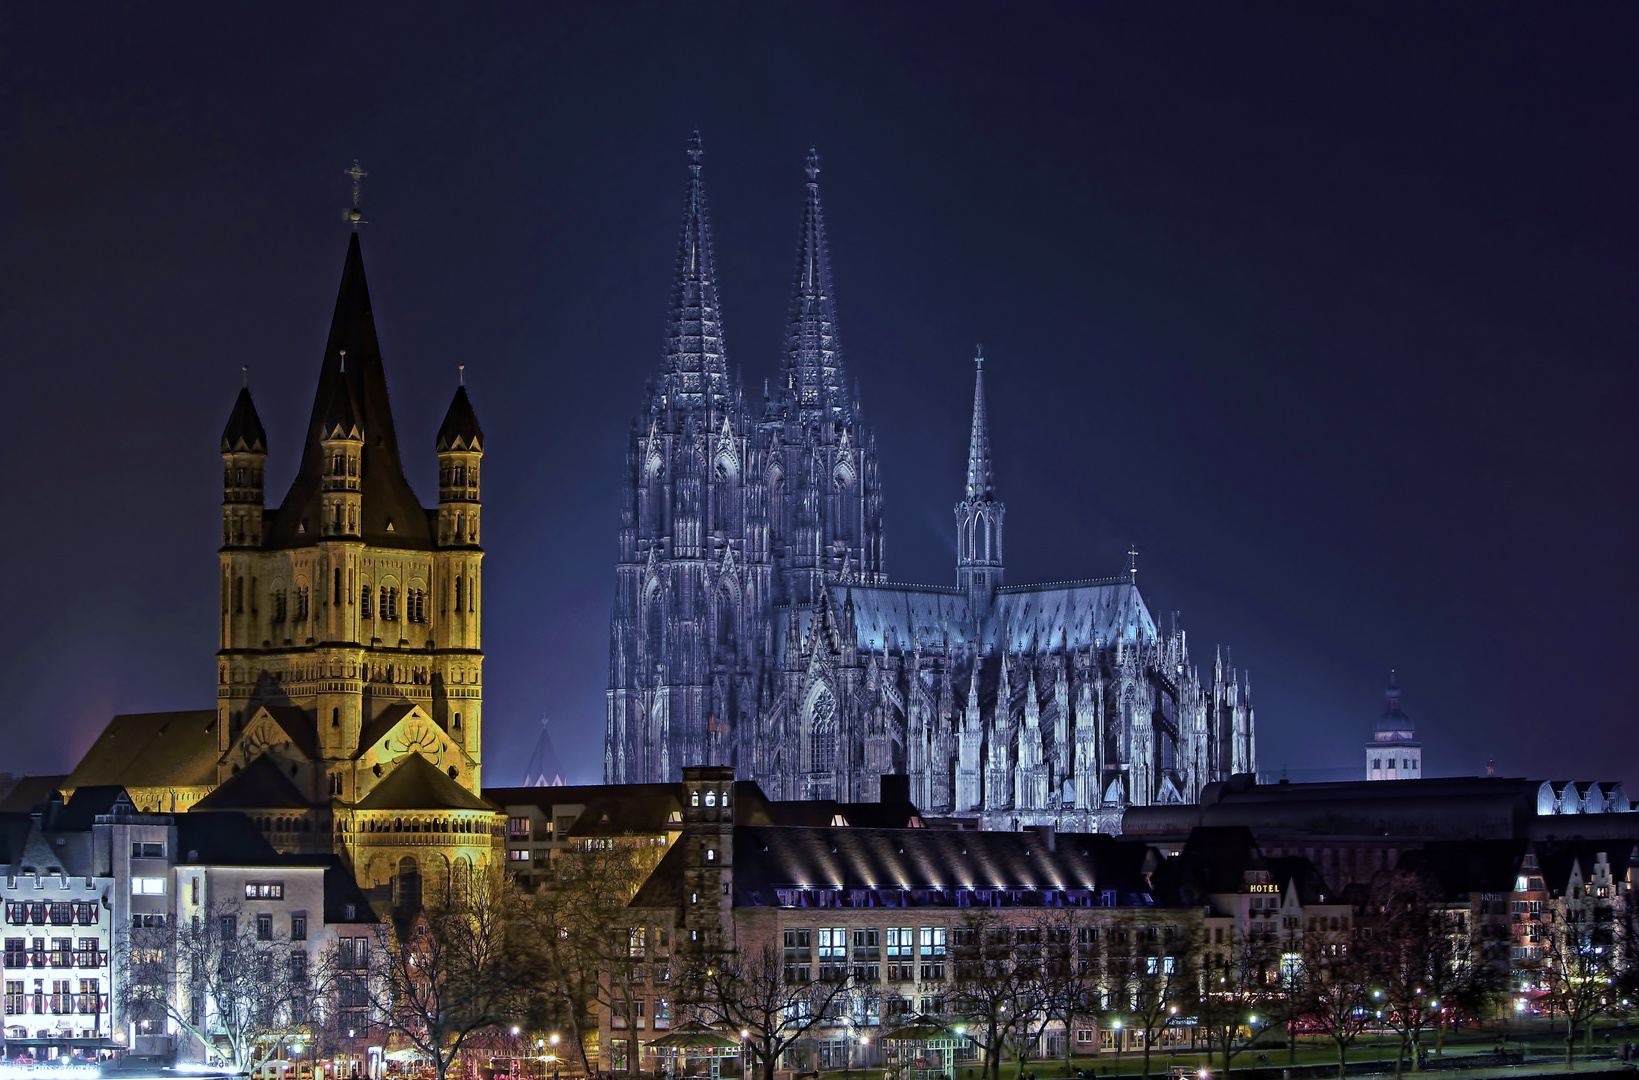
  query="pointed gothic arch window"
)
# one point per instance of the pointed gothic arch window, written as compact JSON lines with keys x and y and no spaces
{"x":822,"y":732}
{"x":727,"y":633}
{"x":657,"y":624}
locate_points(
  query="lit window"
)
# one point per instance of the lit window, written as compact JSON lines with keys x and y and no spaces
{"x":264,"y":890}
{"x":148,"y":886}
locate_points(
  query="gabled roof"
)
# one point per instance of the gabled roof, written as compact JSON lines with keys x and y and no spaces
{"x":351,"y":390}
{"x":1296,"y":870}
{"x":137,"y":750}
{"x":261,"y":785}
{"x":222,"y":838}
{"x":88,"y":804}
{"x":377,"y":729}
{"x":416,"y":784}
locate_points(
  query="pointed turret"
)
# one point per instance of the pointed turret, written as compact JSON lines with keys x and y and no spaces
{"x":460,"y":450}
{"x":696,"y":360}
{"x":244,"y":456}
{"x":815,"y":384}
{"x":353,"y":390}
{"x":979,"y":515}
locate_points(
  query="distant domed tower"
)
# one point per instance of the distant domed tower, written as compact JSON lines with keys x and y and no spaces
{"x":1394,"y":752}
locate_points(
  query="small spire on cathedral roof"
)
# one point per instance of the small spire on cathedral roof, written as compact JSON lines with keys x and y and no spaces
{"x":980,"y":483}
{"x":812,"y":168}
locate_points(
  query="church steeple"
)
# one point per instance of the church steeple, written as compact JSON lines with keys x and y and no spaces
{"x":815,"y":387}
{"x":696,"y":361}
{"x":979,"y":515}
{"x":353,"y":381}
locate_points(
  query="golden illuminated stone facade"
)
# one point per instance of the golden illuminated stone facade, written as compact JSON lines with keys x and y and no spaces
{"x":350,"y":662}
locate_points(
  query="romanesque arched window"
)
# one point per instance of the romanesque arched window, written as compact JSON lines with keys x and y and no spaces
{"x":407,"y":883}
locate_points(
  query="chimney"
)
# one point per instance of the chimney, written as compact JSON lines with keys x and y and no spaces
{"x":896,"y":787}
{"x":1048,"y":834}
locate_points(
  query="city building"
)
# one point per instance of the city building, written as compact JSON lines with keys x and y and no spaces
{"x":754,"y":625}
{"x":887,"y":910}
{"x":81,"y":875}
{"x":542,"y":821}
{"x":1394,"y":752}
{"x":350,"y":670}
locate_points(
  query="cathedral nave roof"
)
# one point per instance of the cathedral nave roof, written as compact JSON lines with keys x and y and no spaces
{"x":138,"y":750}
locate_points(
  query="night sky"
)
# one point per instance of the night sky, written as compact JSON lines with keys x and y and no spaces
{"x":1331,"y":310}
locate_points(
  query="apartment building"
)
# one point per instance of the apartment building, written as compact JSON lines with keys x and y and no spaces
{"x":86,"y":878}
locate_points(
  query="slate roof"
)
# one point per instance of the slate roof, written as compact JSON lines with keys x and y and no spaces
{"x":1023,"y":618}
{"x":30,"y":792}
{"x":768,"y":858}
{"x":261,"y":785}
{"x":357,"y":387}
{"x":244,"y":429}
{"x":222,"y":838}
{"x":417,"y":784}
{"x":460,"y":430}
{"x":152,"y":750}
{"x":1485,"y":866}
{"x":14,"y":830}
{"x":89,"y":803}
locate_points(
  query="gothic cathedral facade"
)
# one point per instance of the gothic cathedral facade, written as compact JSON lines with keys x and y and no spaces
{"x":754,"y":625}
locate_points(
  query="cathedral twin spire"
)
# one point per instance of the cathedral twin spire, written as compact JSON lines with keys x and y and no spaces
{"x":696,"y":360}
{"x":815,"y":387}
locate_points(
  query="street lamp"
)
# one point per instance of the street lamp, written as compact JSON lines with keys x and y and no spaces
{"x":1116,"y":1024}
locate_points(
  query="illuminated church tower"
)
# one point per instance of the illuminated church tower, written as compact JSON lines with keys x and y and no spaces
{"x":350,"y":662}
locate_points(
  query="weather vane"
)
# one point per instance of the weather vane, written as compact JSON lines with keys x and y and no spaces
{"x":353,"y":215}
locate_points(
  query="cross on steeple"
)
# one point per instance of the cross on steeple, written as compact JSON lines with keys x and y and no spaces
{"x":1132,"y":562}
{"x":695,"y":153}
{"x":812,"y":168}
{"x":353,"y":215}
{"x":979,"y":355}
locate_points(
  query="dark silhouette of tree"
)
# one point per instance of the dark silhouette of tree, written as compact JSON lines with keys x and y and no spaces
{"x":749,"y":992}
{"x":449,"y":972}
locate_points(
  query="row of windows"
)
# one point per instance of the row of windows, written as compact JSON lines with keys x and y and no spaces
{"x":386,"y":597}
{"x":61,"y":1001}
{"x":1405,"y":764}
{"x":41,"y":913}
{"x":458,"y":476}
{"x":22,"y":952}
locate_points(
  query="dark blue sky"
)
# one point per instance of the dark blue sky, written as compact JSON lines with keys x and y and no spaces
{"x":1330,"y":309}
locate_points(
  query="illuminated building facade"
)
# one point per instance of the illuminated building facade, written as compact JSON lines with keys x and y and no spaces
{"x":754,"y":625}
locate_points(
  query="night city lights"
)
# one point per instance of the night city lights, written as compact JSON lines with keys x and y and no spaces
{"x":815,"y":542}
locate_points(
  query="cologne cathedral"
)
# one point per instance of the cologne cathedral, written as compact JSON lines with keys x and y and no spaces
{"x":754,"y":625}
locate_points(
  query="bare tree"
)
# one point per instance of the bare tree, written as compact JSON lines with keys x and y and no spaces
{"x":996,"y":995}
{"x":449,"y":974}
{"x":751,"y":992}
{"x":583,"y":947}
{"x":1578,"y":965}
{"x":1155,"y":978}
{"x":1334,"y":991}
{"x":1072,"y":972}
{"x":236,"y":985}
{"x":1239,"y":983}
{"x":1420,"y":955}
